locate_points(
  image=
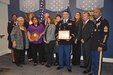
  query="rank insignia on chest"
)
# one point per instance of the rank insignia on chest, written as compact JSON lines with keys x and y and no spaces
{"x":98,"y":29}
{"x":105,"y":29}
{"x":98,"y":24}
{"x":69,"y":23}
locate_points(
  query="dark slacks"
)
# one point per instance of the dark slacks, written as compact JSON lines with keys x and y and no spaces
{"x":19,"y":56}
{"x":29,"y":52}
{"x":56,"y":53}
{"x":86,"y":47}
{"x":50,"y":52}
{"x":9,"y":44}
{"x":76,"y":52}
{"x":44,"y":52}
{"x":12,"y":50}
{"x":35,"y":49}
{"x":41,"y":53}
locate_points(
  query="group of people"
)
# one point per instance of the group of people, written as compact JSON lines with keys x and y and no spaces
{"x":88,"y":36}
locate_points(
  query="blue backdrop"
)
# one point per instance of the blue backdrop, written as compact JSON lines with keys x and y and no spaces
{"x":107,"y":13}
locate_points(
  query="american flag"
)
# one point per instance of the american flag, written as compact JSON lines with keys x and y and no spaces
{"x":69,"y":11}
{"x":42,"y":10}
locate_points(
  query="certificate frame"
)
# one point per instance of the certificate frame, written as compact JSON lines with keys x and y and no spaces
{"x":63,"y":34}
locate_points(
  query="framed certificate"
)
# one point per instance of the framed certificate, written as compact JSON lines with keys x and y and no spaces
{"x":35,"y":36}
{"x":64,"y":34}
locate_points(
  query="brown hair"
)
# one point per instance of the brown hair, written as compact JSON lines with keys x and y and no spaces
{"x":14,"y":15}
{"x":58,"y":15}
{"x":37,"y":19}
{"x":86,"y":12}
{"x":27,"y":16}
{"x":51,"y":20}
{"x":80,"y":16}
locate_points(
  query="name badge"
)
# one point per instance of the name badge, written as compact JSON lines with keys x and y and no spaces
{"x":98,"y":24}
{"x":69,"y":23}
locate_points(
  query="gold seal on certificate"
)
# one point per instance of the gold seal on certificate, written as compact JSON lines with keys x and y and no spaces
{"x":35,"y":36}
{"x":64,"y":34}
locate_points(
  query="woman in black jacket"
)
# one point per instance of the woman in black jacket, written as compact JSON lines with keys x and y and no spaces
{"x":77,"y":44}
{"x":10,"y":26}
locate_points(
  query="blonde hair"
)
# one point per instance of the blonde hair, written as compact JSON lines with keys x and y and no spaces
{"x":20,"y":18}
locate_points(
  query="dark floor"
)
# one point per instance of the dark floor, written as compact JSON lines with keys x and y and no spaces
{"x":29,"y":69}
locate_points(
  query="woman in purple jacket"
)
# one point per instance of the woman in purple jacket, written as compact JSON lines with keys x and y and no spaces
{"x":36,"y":30}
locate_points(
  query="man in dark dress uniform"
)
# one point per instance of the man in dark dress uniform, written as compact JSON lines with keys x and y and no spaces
{"x":65,"y":45}
{"x":100,"y":35}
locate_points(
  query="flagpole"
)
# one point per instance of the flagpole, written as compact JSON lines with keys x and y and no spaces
{"x":42,"y":10}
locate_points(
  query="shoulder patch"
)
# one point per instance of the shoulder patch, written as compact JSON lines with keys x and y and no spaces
{"x":105,"y":29}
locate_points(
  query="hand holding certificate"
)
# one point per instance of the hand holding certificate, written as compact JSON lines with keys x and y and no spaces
{"x":64,"y":35}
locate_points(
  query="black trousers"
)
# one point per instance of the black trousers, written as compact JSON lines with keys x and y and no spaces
{"x":10,"y":44}
{"x":41,"y":53}
{"x":76,"y":52}
{"x":86,"y":47}
{"x":19,"y":56}
{"x":50,"y":52}
{"x":29,"y":52}
{"x":56,"y":53}
{"x":35,"y":49}
{"x":44,"y":52}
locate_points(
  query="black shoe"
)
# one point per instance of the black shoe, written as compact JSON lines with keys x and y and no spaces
{"x":55,"y":64}
{"x":48,"y":66}
{"x":42,"y":63}
{"x":85,"y":72}
{"x":24,"y":63}
{"x":58,"y":68}
{"x":13,"y":62}
{"x":82,"y":67}
{"x":30,"y":60}
{"x":19,"y":65}
{"x":35,"y":64}
{"x":75,"y":64}
{"x":69,"y":70}
{"x":90,"y":73}
{"x":1,"y":70}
